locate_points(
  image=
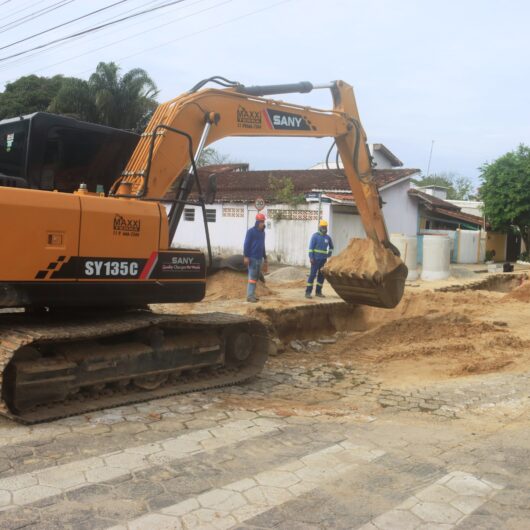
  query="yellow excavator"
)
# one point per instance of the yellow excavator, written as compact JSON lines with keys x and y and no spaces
{"x":83,"y":266}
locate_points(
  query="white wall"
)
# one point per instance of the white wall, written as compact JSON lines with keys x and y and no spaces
{"x":226,"y":234}
{"x":381,"y":161}
{"x":286,"y":240}
{"x":470,"y":207}
{"x":400,"y":210}
{"x":344,"y":225}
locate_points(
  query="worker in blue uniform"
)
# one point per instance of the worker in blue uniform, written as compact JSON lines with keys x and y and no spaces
{"x":320,"y":249}
{"x":255,"y":257}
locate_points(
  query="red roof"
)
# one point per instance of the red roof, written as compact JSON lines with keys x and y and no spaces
{"x":245,"y":186}
{"x":342,"y":197}
{"x":466,"y":217}
{"x":441,"y":207}
{"x":432,"y":200}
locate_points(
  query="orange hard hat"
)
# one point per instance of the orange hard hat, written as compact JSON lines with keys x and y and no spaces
{"x":260,"y":217}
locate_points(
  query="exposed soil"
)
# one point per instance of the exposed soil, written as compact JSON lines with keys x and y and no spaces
{"x":362,"y":258}
{"x":230,"y":285}
{"x":287,"y":274}
{"x":467,"y":329}
{"x":521,"y":293}
{"x":432,"y":336}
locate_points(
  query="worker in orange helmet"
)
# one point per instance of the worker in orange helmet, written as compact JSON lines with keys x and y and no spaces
{"x":320,"y":249}
{"x":255,"y":257}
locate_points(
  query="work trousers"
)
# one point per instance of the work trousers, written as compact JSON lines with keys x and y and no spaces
{"x":254,"y":269}
{"x":316,"y":272}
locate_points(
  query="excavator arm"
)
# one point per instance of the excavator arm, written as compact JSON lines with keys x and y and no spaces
{"x":210,"y":115}
{"x":182,"y":127}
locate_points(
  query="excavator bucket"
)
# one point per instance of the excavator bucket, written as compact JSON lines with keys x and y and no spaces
{"x":367,"y":273}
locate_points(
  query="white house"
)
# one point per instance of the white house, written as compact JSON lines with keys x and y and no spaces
{"x":324,"y":193}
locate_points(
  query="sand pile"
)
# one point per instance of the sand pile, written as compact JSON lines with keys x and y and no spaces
{"x":287,"y":274}
{"x":521,"y":293}
{"x":230,"y":285}
{"x":363,"y":258}
{"x":438,"y":335}
{"x":424,"y":335}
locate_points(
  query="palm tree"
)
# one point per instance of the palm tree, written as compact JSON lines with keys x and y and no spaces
{"x":125,"y":102}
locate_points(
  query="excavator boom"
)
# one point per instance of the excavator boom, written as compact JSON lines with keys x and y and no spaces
{"x":198,"y":118}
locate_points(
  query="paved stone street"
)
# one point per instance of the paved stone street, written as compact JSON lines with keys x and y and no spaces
{"x":324,"y":446}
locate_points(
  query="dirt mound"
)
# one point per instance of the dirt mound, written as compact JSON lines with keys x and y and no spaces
{"x":230,"y":285}
{"x":296,"y":284}
{"x":448,"y":343}
{"x":419,"y":304}
{"x":521,"y":294}
{"x":404,"y":336}
{"x":287,"y":274}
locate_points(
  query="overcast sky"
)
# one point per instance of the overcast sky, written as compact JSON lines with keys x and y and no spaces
{"x":455,"y":72}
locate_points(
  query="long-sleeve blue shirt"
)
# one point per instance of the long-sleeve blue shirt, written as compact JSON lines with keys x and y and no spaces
{"x":320,"y":246}
{"x":254,"y":246}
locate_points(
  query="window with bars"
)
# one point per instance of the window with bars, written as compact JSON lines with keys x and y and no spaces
{"x":189,"y":214}
{"x":211,"y":215}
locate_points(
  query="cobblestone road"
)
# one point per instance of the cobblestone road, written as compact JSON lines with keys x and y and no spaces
{"x":322,"y":447}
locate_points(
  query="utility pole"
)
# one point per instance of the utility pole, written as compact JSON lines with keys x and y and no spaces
{"x":430,"y":157}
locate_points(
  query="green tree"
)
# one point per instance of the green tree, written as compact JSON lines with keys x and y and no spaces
{"x":210,"y":156}
{"x":75,"y":99}
{"x":29,"y":94}
{"x":123,"y":101}
{"x":505,"y":191}
{"x":283,"y":191}
{"x":458,"y":186}
{"x":127,"y":101}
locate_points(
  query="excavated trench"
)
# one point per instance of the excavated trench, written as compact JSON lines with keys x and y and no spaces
{"x":314,"y":320}
{"x":460,"y":330}
{"x":501,"y":283}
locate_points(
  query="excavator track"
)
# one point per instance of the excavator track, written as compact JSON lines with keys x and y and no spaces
{"x":53,"y":366}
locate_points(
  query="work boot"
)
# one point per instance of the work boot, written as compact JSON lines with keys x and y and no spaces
{"x":308,"y":295}
{"x":320,"y":295}
{"x":252,"y":299}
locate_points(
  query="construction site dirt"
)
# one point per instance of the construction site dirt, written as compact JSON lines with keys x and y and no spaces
{"x":438,"y":331}
{"x":411,"y":417}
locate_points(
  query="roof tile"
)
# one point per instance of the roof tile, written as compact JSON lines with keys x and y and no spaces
{"x":245,"y":186}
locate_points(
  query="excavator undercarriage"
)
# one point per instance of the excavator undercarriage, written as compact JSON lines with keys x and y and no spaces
{"x":54,"y":366}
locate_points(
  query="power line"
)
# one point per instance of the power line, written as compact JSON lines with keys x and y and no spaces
{"x":135,"y":35}
{"x":91,"y":30}
{"x":209,"y":28}
{"x":30,"y":56}
{"x":34,"y":15}
{"x":63,"y":24}
{"x":13,"y":13}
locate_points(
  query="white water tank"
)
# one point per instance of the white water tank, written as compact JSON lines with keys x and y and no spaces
{"x":408,"y":248}
{"x":436,"y":257}
{"x":471,"y":246}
